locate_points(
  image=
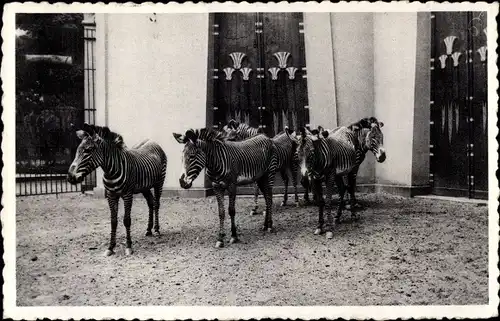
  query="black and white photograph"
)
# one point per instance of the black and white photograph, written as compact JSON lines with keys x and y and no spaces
{"x":235,"y":161}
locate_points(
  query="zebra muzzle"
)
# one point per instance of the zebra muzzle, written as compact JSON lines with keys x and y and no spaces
{"x":183,"y":182}
{"x":72,"y":179}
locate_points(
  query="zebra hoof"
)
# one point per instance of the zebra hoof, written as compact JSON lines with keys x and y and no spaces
{"x":157,"y":233}
{"x":219,"y":244}
{"x":283,"y":203}
{"x":234,"y":240}
{"x":109,"y":253}
{"x":329,"y":235}
{"x":254,"y":212}
{"x":270,"y":230}
{"x":318,"y":231}
{"x":128,"y":251}
{"x":148,"y":233}
{"x":263,"y":213}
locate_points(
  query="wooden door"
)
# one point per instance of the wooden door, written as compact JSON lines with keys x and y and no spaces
{"x":458,"y":105}
{"x":257,"y":71}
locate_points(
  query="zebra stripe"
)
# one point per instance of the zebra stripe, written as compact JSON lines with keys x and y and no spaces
{"x":285,"y":152}
{"x":317,"y":159}
{"x":362,"y":136}
{"x":127,"y":171}
{"x":229,"y":164}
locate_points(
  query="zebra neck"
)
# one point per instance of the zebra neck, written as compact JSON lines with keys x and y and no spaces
{"x":113,"y":163}
{"x":361,"y":140}
{"x":216,"y":156}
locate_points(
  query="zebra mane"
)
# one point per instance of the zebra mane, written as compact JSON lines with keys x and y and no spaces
{"x":208,"y":134}
{"x":363,"y":123}
{"x":105,"y":133}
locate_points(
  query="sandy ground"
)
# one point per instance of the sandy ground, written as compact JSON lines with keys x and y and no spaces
{"x":401,"y":252}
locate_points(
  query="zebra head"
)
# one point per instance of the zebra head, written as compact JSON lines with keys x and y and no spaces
{"x":306,"y":145}
{"x":370,"y":136}
{"x":88,"y":154}
{"x":375,"y":139}
{"x":193,"y":158}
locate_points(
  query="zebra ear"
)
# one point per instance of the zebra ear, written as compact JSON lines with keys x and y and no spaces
{"x":355,"y":127}
{"x":191,"y":136}
{"x":88,"y":128}
{"x":291,"y":134}
{"x":81,"y":134}
{"x":303,"y":132}
{"x":380,"y":124}
{"x":325,"y":133}
{"x":232,"y":124}
{"x":179,"y":138}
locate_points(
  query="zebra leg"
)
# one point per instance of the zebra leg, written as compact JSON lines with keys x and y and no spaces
{"x":113,"y":207}
{"x":219,"y":195}
{"x":284,"y":177}
{"x":294,"y":183}
{"x":254,"y":211}
{"x":318,"y":193}
{"x":266,"y":188}
{"x":232,"y":213}
{"x":305,"y":183}
{"x":127,"y":201}
{"x":151,"y":205}
{"x":330,"y":224}
{"x":352,"y":189}
{"x":158,"y":190}
{"x":339,"y":180}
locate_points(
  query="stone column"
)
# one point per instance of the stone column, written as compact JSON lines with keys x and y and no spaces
{"x":402,"y":100}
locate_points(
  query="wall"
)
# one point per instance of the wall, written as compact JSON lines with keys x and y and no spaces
{"x":320,"y":69}
{"x":422,"y":112}
{"x":154,"y":81}
{"x":394,"y":66}
{"x":352,"y":41}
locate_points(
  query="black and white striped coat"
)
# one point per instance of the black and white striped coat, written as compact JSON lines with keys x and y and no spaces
{"x":318,"y":159}
{"x":287,"y":162}
{"x":229,"y":164}
{"x":127,"y":171}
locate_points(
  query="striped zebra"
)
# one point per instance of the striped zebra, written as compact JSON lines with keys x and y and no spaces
{"x":367,"y":137}
{"x":318,"y":160}
{"x":285,"y":150}
{"x":229,"y":164}
{"x":127,"y":171}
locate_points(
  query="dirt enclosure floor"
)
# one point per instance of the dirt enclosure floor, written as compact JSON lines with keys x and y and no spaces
{"x":401,"y":252}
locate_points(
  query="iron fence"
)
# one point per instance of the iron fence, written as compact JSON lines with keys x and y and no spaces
{"x":58,"y":96}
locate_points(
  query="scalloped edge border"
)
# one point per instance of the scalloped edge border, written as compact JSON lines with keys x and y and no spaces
{"x":227,"y":312}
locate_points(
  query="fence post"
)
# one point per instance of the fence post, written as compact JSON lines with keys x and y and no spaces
{"x":89,"y":37}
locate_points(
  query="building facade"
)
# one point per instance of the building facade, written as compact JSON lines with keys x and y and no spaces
{"x":156,"y":74}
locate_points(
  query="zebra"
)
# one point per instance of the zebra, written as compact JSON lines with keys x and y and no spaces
{"x":127,"y":171}
{"x":368,"y":137}
{"x":318,"y":160}
{"x":229,"y":164}
{"x":285,"y":150}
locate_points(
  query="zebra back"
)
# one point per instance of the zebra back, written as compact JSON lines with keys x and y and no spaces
{"x":243,"y":161}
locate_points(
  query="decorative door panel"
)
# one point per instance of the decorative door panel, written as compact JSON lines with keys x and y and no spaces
{"x":284,"y":61}
{"x":236,"y":59}
{"x":259,"y":73}
{"x":457,"y":86}
{"x":479,"y":105}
